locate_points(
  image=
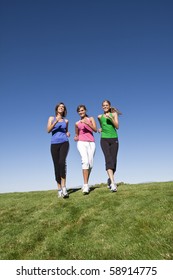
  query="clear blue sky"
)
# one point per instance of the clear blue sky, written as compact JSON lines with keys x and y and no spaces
{"x":85,"y":51}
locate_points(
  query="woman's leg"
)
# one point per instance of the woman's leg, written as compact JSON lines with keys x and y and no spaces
{"x":91,"y":153}
{"x":55,"y":157}
{"x":110,"y":149}
{"x":82,"y":148}
{"x":62,"y":162}
{"x":104,"y":142}
{"x":114,"y":152}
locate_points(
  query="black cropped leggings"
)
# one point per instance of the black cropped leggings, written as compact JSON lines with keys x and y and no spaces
{"x":59,"y":153}
{"x":110,"y":150}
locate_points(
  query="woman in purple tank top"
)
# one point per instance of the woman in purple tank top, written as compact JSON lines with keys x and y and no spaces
{"x":58,"y":125}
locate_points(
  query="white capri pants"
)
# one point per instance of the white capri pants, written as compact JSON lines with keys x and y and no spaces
{"x":87,"y":151}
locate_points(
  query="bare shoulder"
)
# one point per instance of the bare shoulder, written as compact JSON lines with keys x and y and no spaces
{"x":115,"y":114}
{"x":51,"y":118}
{"x":91,"y":118}
{"x":66,"y":120}
{"x":99,"y":116}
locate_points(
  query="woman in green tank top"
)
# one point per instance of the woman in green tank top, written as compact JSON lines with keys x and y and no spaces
{"x":109,"y":140}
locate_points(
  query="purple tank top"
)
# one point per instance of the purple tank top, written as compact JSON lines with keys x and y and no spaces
{"x":59,"y":133}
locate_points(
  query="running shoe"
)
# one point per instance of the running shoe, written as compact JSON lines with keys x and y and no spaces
{"x":60,"y":194}
{"x":64,"y":192}
{"x":85,"y":189}
{"x":113,"y":188}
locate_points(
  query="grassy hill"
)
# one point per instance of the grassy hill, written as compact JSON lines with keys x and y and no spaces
{"x":134,"y":223}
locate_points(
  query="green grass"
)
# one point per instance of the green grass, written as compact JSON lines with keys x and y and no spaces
{"x":136,"y":223}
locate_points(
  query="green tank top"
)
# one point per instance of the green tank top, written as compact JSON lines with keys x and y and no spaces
{"x":108,"y":129}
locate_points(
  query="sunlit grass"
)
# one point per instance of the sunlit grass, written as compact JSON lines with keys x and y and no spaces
{"x":134,"y":223}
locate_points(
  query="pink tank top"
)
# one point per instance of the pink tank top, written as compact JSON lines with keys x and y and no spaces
{"x":85,"y":132}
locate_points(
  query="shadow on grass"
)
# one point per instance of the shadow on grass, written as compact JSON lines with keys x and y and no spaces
{"x":73,"y":190}
{"x":92,"y":188}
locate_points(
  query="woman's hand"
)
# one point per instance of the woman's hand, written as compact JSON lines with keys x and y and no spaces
{"x":84,"y":121}
{"x":108,"y":115}
{"x":58,"y":118}
{"x":113,"y":119}
{"x":76,"y":138}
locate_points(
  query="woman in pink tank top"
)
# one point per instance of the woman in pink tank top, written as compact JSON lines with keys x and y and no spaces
{"x":85,"y":143}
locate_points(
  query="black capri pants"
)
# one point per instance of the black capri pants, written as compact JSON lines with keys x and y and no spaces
{"x":59,"y":153}
{"x":110,"y":150}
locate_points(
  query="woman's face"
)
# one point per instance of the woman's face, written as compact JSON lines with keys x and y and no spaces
{"x":60,"y":109}
{"x":106,"y":107}
{"x":82,"y":112}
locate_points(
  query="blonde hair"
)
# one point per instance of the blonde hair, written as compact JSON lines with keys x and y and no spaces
{"x":112,"y":109}
{"x":115,"y":110}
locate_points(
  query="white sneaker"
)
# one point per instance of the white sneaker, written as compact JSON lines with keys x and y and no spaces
{"x":113,"y":188}
{"x":64,"y":192}
{"x":85,"y":189}
{"x":60,"y":194}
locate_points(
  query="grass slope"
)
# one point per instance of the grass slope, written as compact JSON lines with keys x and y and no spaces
{"x":134,"y":223}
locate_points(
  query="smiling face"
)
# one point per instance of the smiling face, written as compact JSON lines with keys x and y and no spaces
{"x":61,"y":109}
{"x":106,"y":106}
{"x":81,"y":111}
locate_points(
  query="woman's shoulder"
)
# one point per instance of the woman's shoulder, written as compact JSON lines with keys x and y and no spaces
{"x":114,"y":114}
{"x":99,"y":116}
{"x":51,"y":118}
{"x":91,"y":119}
{"x":66,"y":120}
